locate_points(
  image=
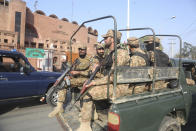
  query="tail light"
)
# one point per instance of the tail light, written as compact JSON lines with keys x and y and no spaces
{"x":113,"y":122}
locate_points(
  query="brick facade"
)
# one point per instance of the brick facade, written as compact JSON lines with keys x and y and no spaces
{"x":21,"y":28}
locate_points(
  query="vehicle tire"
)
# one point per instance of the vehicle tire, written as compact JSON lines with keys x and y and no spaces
{"x":169,"y":124}
{"x":52,"y":96}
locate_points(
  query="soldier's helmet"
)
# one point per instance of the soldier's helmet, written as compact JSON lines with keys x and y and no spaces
{"x":133,"y":41}
{"x":110,"y":33}
{"x":149,"y":40}
{"x":83,"y":47}
{"x":99,"y":46}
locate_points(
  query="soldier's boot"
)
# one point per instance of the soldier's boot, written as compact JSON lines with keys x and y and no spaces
{"x":57,"y":109}
{"x":84,"y":126}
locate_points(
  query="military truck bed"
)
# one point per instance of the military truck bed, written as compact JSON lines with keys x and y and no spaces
{"x":70,"y":120}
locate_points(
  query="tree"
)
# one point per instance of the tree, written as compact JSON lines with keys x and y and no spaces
{"x":188,"y":51}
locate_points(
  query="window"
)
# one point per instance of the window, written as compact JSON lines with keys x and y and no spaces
{"x":5,"y":40}
{"x":26,"y":44}
{"x":18,"y":24}
{"x":88,"y":40}
{"x":41,"y":45}
{"x":33,"y":45}
{"x":55,"y":46}
{"x":9,"y":64}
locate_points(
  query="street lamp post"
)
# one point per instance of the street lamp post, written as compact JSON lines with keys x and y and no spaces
{"x":128,"y":11}
{"x":171,"y":47}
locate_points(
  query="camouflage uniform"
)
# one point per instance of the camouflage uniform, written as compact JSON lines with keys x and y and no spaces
{"x":83,"y":68}
{"x":158,"y":84}
{"x":98,"y":60}
{"x":99,"y":91}
{"x":136,"y":61}
{"x":76,"y":81}
{"x":190,"y":82}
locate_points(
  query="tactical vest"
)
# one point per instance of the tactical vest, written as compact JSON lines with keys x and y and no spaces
{"x":107,"y":63}
{"x":161,"y":59}
{"x":144,"y":56}
{"x":82,"y":65}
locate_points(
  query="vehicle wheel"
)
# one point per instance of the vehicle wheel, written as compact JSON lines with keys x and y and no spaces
{"x":52,"y":96}
{"x":169,"y":124}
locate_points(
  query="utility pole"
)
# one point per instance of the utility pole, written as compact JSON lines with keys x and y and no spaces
{"x":4,"y":3}
{"x":72,"y":10}
{"x":128,"y":11}
{"x":171,"y":47}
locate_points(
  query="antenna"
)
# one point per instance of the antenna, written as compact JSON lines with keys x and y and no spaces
{"x":35,"y":5}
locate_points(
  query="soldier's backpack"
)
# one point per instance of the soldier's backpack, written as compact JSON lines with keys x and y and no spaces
{"x":162,"y":59}
{"x":144,"y":56}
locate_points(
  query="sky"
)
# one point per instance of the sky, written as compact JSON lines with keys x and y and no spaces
{"x":164,"y":16}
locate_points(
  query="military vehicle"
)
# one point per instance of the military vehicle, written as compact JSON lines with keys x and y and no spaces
{"x":154,"y":110}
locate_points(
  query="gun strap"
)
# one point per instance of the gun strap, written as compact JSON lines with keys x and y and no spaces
{"x":88,"y":99}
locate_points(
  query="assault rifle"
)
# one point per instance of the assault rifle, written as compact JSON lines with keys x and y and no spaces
{"x":84,"y":89}
{"x":60,"y":83}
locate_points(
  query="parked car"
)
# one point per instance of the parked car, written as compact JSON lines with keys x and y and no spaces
{"x":19,"y":80}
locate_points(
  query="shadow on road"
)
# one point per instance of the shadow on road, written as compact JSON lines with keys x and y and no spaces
{"x":190,"y":126}
{"x":10,"y":105}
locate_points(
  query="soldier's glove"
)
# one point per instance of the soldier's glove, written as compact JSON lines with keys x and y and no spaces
{"x":58,"y":109}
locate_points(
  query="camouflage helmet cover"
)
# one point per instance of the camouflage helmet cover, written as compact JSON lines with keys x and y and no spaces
{"x":110,"y":33}
{"x":132,"y":41}
{"x":99,"y":45}
{"x":149,"y":39}
{"x":82,"y":46}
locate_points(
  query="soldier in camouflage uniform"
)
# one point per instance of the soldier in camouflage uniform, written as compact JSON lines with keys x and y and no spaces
{"x":80,"y":73}
{"x":98,"y":59}
{"x":138,"y":58}
{"x":160,"y":62}
{"x":99,"y":91}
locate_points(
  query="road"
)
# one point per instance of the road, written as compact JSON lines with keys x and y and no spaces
{"x":28,"y":115}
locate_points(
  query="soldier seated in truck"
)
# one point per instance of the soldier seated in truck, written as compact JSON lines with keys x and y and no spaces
{"x":158,"y":57}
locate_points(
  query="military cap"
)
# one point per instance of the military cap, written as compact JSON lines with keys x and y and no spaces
{"x":81,"y":46}
{"x":132,"y":41}
{"x":99,"y":45}
{"x":149,"y":39}
{"x":110,"y":33}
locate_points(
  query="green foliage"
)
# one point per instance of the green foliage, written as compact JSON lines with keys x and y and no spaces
{"x":188,"y":51}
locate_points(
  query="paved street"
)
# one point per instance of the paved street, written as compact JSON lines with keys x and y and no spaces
{"x":30,"y":115}
{"x":27,"y":116}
